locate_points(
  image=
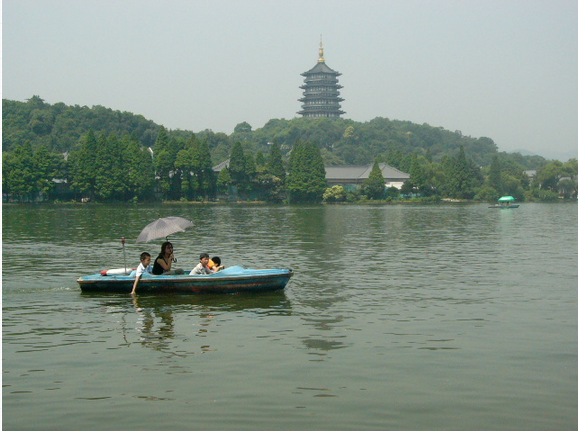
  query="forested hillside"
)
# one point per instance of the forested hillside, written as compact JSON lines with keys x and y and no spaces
{"x":59,"y":128}
{"x":59,"y":152}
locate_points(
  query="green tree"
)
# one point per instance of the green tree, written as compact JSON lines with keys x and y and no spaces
{"x":163,"y":160}
{"x":335,"y":194}
{"x":494,"y":179}
{"x":166,"y":149}
{"x":374,"y":186}
{"x":28,"y":174}
{"x":202,"y":170}
{"x":460,"y":176}
{"x":83,"y":167}
{"x":238,"y":168}
{"x":275,"y":163}
{"x":111,"y":176}
{"x":259,"y":161}
{"x":140,"y":169}
{"x":487,"y":194}
{"x":243,"y":127}
{"x":224,"y":180}
{"x":186,"y":161}
{"x":306,"y":182}
{"x":567,"y":188}
{"x":421,"y":174}
{"x":548,"y":176}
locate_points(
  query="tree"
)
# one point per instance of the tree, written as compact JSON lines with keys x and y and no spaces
{"x":224,"y":180}
{"x":111,"y":177}
{"x":207,"y":178}
{"x":60,"y":127}
{"x":421,"y":175}
{"x":18,"y":177}
{"x":374,"y":186}
{"x":238,"y":168}
{"x":460,"y":176}
{"x":495,"y":174}
{"x":259,"y":161}
{"x":163,"y":161}
{"x":165,"y":155}
{"x":335,"y":194}
{"x":140,"y":169}
{"x":548,"y":176}
{"x":487,"y":194}
{"x":306,"y":181}
{"x":567,"y":188}
{"x":275,"y":163}
{"x":83,"y":167}
{"x":46,"y":166}
{"x":243,"y":127}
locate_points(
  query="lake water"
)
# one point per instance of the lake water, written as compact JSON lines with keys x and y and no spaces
{"x":449,"y":317}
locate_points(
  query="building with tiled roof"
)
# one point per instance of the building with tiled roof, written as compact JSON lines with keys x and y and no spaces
{"x":352,"y":177}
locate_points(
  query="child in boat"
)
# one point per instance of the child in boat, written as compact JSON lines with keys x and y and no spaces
{"x":202,"y":268}
{"x":215,"y":264}
{"x":144,"y":266}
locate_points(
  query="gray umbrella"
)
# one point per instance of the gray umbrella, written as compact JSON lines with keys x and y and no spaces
{"x":163,"y":227}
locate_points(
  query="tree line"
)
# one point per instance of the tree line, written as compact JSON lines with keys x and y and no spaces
{"x":122,"y":157}
{"x":111,"y":168}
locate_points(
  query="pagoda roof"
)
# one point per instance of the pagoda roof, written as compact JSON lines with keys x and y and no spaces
{"x":320,"y":67}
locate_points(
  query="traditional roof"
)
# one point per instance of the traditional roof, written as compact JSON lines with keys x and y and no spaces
{"x":221,"y":166}
{"x":360,"y":173}
{"x":321,"y":68}
{"x":350,"y":174}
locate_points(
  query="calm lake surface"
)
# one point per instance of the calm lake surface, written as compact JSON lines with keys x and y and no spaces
{"x":445,"y":317}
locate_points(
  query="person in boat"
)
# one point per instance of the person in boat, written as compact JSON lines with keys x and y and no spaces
{"x":215,"y":264}
{"x":164,"y":261}
{"x":203,"y":267}
{"x":144,"y":266}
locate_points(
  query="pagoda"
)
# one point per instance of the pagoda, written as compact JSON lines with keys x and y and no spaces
{"x":321,"y":91}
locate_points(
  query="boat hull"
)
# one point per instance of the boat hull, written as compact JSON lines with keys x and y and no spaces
{"x":503,"y":207}
{"x":244,"y":280}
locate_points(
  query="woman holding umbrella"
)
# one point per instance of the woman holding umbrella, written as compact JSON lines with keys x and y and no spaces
{"x":164,"y":261}
{"x":160,"y":228}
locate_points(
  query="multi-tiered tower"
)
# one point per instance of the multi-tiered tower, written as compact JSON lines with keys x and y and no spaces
{"x":321,"y":91}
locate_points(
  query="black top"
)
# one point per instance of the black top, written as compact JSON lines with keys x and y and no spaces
{"x":157,"y":268}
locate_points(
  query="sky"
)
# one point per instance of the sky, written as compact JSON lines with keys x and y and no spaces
{"x":503,"y":69}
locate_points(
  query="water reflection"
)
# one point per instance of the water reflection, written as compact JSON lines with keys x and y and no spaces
{"x":163,"y":322}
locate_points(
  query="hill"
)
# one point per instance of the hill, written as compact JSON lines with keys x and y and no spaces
{"x":59,"y":128}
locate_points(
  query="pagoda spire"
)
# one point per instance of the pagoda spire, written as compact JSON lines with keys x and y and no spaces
{"x":321,"y":59}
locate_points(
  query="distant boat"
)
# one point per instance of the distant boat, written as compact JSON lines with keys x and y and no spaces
{"x":505,"y":202}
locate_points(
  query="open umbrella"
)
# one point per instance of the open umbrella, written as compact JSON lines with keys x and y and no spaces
{"x":507,"y":199}
{"x":163,"y":227}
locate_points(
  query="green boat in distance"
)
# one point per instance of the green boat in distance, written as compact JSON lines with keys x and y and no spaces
{"x":506,"y":202}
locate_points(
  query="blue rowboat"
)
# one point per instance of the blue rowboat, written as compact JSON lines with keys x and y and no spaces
{"x":230,"y":280}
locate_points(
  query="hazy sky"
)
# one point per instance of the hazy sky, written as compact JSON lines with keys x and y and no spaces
{"x":505,"y":69}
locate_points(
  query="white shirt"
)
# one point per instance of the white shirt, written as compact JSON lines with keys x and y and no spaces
{"x":200,"y":270}
{"x":141,"y":269}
